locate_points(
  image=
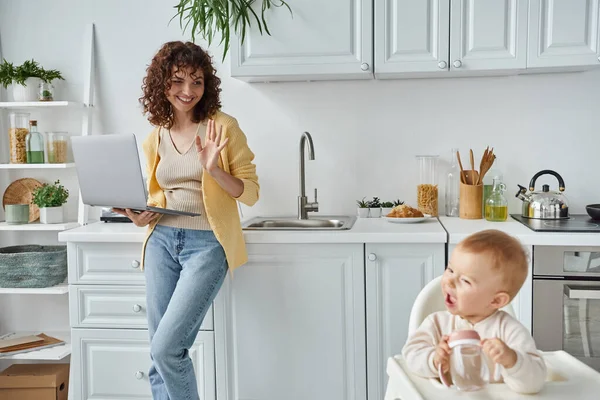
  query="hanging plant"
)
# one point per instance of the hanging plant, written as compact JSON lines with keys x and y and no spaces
{"x":209,"y":17}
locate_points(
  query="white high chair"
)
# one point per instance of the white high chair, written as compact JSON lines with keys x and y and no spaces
{"x":566,"y":374}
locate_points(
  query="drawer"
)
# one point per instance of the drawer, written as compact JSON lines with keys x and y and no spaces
{"x":113,"y":307}
{"x":105,"y":263}
{"x":114,"y":364}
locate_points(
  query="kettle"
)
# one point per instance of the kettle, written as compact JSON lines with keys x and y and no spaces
{"x":544,"y":204}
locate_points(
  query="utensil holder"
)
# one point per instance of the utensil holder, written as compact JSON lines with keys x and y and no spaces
{"x":471,"y":198}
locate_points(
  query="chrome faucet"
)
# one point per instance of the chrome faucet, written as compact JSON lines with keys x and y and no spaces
{"x":303,"y":205}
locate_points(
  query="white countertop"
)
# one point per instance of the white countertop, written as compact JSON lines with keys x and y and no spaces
{"x":458,"y":229}
{"x":365,"y":230}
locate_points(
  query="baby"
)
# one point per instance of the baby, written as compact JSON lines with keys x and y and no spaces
{"x":485,"y":272}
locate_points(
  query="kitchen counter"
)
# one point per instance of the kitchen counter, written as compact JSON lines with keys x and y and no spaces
{"x":458,"y":229}
{"x":365,"y":230}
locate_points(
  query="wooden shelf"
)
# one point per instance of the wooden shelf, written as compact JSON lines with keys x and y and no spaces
{"x":55,"y":353}
{"x":39,"y":104}
{"x":37,"y":166}
{"x":36,"y":226}
{"x":63,"y":288}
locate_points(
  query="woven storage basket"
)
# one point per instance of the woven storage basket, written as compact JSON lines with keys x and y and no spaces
{"x":32,"y":266}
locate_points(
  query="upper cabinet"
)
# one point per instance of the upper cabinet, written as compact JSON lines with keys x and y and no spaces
{"x":330,"y":39}
{"x":564,"y":33}
{"x":336,"y":39}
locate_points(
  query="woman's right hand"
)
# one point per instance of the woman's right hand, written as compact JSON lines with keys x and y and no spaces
{"x":139,"y":219}
{"x":442,"y":355}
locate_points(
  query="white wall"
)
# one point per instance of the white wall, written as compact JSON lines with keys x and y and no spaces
{"x":366,"y":134}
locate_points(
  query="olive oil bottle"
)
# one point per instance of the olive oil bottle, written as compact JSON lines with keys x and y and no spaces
{"x":496,"y":206}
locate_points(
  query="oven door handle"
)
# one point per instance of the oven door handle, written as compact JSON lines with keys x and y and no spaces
{"x":582,"y":292}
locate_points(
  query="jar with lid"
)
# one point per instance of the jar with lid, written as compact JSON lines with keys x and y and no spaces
{"x":17,"y":135}
{"x":496,"y":206}
{"x":56,"y":149}
{"x":35,"y":145}
{"x":427,"y":188}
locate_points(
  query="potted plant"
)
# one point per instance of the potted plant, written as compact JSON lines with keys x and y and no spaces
{"x":211,"y":18}
{"x":50,"y":199}
{"x":397,"y":203}
{"x":386,"y":208}
{"x":28,"y":80}
{"x":375,"y":208}
{"x":363,"y":208}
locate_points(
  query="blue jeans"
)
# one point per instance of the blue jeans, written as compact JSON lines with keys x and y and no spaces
{"x":184,"y":270}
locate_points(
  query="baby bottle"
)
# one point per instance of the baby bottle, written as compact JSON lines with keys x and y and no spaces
{"x":468,"y":367}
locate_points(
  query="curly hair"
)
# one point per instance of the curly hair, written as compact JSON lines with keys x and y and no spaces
{"x":158,"y":81}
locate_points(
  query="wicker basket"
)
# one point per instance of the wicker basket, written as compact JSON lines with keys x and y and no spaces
{"x":32,"y":266}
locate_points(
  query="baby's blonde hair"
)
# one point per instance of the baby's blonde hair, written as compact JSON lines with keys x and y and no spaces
{"x":506,"y":254}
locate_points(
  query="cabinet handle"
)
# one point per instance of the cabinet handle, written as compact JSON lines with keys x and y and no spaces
{"x":443,"y":65}
{"x":372,"y":257}
{"x":137,"y":308}
{"x":135,"y":264}
{"x":364,"y":66}
{"x":139,"y":375}
{"x":457,"y":64}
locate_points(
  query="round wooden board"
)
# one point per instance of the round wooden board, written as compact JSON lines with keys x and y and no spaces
{"x":21,"y":192}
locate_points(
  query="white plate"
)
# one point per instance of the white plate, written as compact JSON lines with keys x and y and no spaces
{"x":407,"y":220}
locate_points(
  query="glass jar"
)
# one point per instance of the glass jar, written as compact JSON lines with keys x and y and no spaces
{"x":17,"y":135}
{"x":56,"y":149}
{"x":451,"y":197}
{"x":34,"y":145}
{"x":46,"y":91}
{"x":427,"y":188}
{"x":488,"y":183}
{"x":496,"y":206}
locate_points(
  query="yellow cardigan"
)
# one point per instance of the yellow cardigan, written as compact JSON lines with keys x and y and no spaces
{"x":221,"y":208}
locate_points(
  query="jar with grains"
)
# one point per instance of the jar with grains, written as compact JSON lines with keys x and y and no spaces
{"x":17,"y":137}
{"x":427,"y":187}
{"x":57,"y":147}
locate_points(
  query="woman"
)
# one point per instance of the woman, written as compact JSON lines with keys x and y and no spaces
{"x":198,"y":161}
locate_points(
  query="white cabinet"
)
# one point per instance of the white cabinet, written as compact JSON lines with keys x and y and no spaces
{"x":564,"y":33}
{"x":488,"y":35}
{"x":330,"y":39}
{"x":411,"y":36}
{"x":290,"y":324}
{"x":114,"y":364}
{"x":443,"y":38}
{"x":395,"y":274}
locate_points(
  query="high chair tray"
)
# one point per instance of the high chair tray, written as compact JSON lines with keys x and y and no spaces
{"x":567,"y":378}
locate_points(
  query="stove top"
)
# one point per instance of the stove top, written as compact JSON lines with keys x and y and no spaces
{"x":575,"y":223}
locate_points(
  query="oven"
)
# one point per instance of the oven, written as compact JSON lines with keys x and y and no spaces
{"x":566,"y":301}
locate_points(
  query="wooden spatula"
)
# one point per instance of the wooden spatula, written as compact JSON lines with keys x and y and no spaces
{"x":463,"y":177}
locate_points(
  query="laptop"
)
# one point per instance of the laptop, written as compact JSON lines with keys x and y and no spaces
{"x":110,"y":175}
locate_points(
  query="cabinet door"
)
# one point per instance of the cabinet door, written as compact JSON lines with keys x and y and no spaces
{"x":488,"y":35}
{"x":323,"y":40}
{"x":290,"y":324}
{"x":114,"y":364}
{"x":411,"y":37}
{"x":395,"y":274}
{"x":563,"y":33}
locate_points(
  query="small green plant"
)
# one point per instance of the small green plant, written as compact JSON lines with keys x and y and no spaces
{"x":375,"y":203}
{"x":29,"y":69}
{"x":49,"y":195}
{"x":46,"y":94}
{"x":397,"y":203}
{"x":362,"y":203}
{"x":387,"y":204}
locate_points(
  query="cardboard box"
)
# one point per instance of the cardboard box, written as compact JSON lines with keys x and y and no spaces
{"x":35,"y":382}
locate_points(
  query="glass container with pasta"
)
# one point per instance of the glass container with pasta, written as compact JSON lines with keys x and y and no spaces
{"x":17,"y":134}
{"x":427,"y":186}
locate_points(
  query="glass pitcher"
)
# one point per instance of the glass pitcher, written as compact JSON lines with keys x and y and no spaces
{"x":496,"y":205}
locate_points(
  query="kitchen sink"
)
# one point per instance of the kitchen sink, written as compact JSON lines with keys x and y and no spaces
{"x":295,"y":224}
